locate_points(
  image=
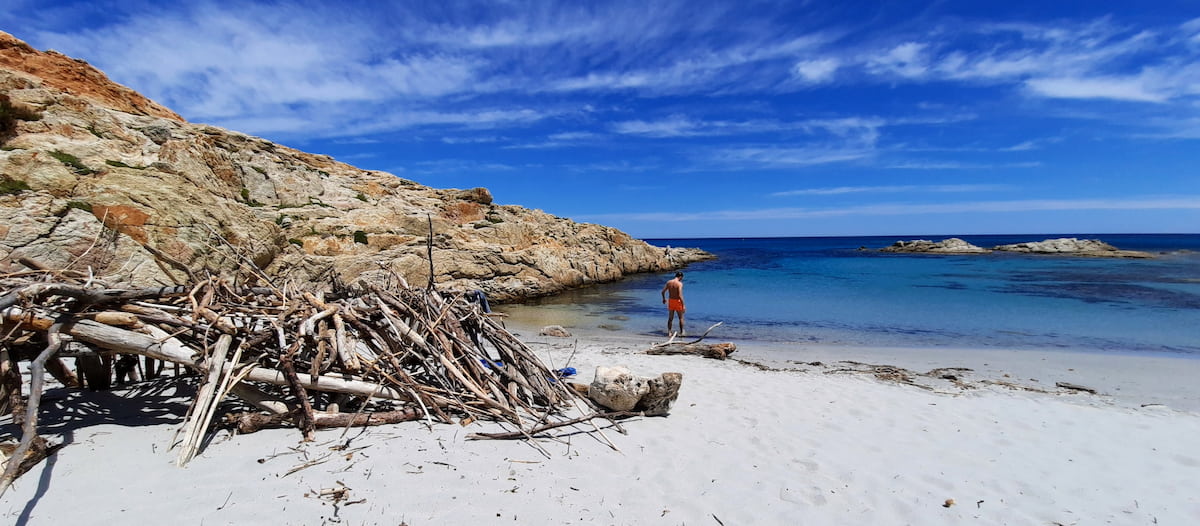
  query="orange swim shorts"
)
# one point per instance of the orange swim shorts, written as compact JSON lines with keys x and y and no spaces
{"x":675,"y":305}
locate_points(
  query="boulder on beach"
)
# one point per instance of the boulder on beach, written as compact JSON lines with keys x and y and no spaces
{"x":558,"y":331}
{"x":618,"y":389}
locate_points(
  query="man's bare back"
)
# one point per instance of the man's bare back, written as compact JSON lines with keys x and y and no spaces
{"x":674,"y":289}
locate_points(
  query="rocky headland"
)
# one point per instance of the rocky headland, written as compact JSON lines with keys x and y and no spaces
{"x":94,"y":177}
{"x":1064,"y":246}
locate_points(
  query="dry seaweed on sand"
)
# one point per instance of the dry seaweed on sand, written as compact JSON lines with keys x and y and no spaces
{"x":301,"y":358}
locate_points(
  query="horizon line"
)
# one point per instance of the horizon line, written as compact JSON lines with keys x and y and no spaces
{"x":913,"y":236}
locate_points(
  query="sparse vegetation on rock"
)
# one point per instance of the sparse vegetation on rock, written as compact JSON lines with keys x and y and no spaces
{"x":12,"y":186}
{"x":119,"y":164}
{"x":73,"y":162}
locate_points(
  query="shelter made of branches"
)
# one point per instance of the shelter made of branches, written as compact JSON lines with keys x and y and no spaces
{"x":433,"y":355}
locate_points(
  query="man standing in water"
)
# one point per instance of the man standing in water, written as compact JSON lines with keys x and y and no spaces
{"x":675,"y":303}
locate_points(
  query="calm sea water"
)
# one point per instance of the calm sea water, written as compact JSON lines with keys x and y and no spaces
{"x":827,"y":291}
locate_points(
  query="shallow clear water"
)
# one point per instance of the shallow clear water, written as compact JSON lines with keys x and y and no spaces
{"x":827,"y":291}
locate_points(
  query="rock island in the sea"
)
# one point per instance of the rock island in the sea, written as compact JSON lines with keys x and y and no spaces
{"x":1063,"y":246}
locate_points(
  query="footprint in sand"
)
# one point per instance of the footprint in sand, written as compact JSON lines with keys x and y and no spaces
{"x":809,"y":465}
{"x":815,"y":496}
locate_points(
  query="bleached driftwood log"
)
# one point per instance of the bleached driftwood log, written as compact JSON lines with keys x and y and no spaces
{"x":718,"y":351}
{"x":251,"y":422}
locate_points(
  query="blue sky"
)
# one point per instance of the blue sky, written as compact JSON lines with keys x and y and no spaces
{"x":701,"y":119}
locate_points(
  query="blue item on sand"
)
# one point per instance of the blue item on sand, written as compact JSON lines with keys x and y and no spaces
{"x":479,"y":297}
{"x":489,"y":363}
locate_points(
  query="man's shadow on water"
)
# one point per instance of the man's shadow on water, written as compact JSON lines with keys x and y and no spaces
{"x":64,"y":411}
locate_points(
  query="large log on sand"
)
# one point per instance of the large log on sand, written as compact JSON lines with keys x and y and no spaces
{"x":718,"y":351}
{"x":251,"y":422}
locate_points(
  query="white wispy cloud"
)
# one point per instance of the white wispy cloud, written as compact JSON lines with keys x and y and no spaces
{"x":673,"y":126}
{"x":448,"y":166}
{"x":557,"y":140}
{"x":780,"y":157}
{"x":908,"y":59}
{"x":858,"y":130}
{"x":816,"y":71}
{"x":1119,"y":88}
{"x":1190,"y":31}
{"x":1182,"y":127}
{"x":1092,"y":60}
{"x":910,"y":209}
{"x":957,"y":165}
{"x":892,"y":189}
{"x":260,"y":68}
{"x":469,"y":139}
{"x":740,"y":67}
{"x":1021,"y":147}
{"x":483,"y":119}
{"x":832,"y":141}
{"x":619,"y":167}
{"x":572,"y":136}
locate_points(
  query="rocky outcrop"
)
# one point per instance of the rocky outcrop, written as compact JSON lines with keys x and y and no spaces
{"x":953,"y":245}
{"x":1074,"y":247}
{"x":108,"y":182}
{"x":1065,"y":246}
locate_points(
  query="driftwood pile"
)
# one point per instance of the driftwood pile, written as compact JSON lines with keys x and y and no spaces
{"x":301,"y":358}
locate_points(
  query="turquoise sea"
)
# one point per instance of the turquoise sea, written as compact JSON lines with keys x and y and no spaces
{"x":830,"y":291}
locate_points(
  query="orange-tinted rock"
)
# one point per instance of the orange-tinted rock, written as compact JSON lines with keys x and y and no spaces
{"x":76,"y":77}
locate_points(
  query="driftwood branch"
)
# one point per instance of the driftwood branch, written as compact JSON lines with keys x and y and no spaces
{"x":527,"y":433}
{"x":429,"y":247}
{"x":37,"y":374}
{"x":39,"y":291}
{"x":305,"y":420}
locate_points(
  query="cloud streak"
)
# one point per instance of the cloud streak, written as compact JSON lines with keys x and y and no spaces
{"x":908,"y":209}
{"x":893,"y":189}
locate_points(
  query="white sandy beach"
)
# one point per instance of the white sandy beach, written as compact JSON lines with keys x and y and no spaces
{"x":742,"y":445}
